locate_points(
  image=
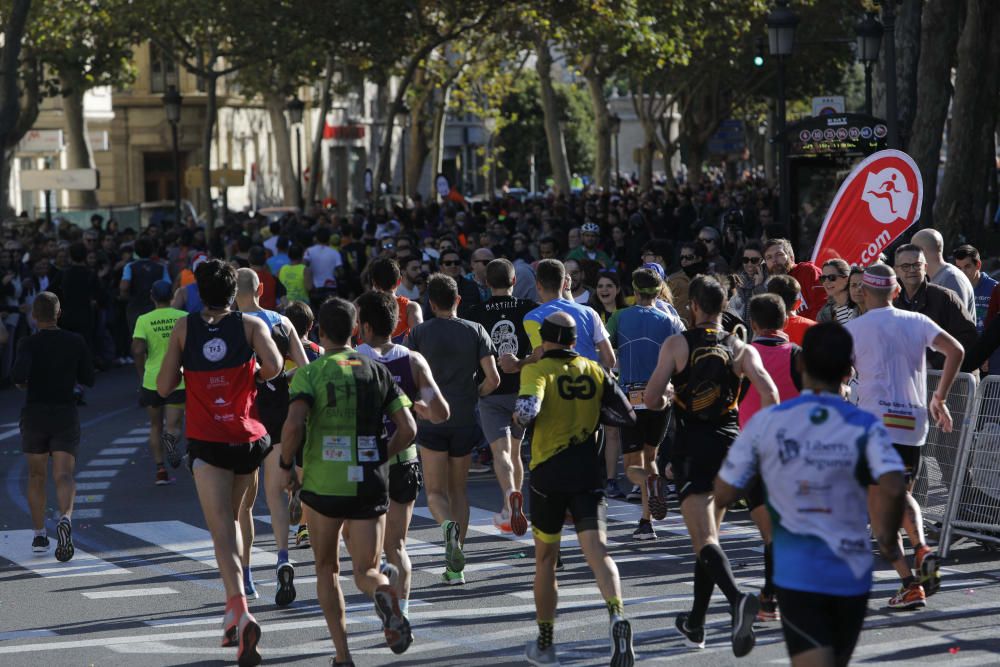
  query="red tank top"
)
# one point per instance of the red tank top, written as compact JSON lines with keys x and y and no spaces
{"x":403,"y":326}
{"x":269,"y":296}
{"x":777,"y":360}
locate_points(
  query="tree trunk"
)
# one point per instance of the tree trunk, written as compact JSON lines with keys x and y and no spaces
{"x":648,"y":153}
{"x":908,"y":35}
{"x":695,"y":162}
{"x":437,"y":137}
{"x":939,"y":39}
{"x":382,"y":166}
{"x":416,"y":151}
{"x":10,"y":107}
{"x":550,"y":111}
{"x":316,"y":155}
{"x":274,"y":101}
{"x":976,"y":81}
{"x":78,"y":155}
{"x":599,"y":107}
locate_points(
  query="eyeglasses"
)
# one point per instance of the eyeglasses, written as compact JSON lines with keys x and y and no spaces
{"x":752,"y":260}
{"x":451,"y":263}
{"x":706,"y":240}
{"x":830,"y":277}
{"x":688,"y":258}
{"x":906,"y":268}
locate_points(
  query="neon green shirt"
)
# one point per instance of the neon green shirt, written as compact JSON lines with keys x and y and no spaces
{"x":154,"y":327}
{"x":293,"y":277}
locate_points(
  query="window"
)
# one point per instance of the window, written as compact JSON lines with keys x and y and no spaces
{"x":162,"y":70}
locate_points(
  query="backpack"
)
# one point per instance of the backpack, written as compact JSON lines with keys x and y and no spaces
{"x":711,"y":388}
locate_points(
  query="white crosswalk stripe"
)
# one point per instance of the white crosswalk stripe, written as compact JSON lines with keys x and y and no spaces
{"x":186,"y":540}
{"x":15,"y":546}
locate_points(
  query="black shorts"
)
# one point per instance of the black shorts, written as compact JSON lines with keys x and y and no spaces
{"x":589,"y":510}
{"x":696,"y":465}
{"x":649,"y":430}
{"x":242,"y":459}
{"x":912,"y":460}
{"x":456,"y":441}
{"x":50,"y":428}
{"x":149,"y":398}
{"x":405,"y":481}
{"x":815,"y":620}
{"x":345,"y":507}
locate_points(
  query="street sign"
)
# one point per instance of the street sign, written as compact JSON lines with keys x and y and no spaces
{"x":59,"y":179}
{"x":41,"y":141}
{"x":728,"y":139}
{"x":831,"y":104}
{"x":837,"y":134}
{"x":98,"y":140}
{"x":221,"y":178}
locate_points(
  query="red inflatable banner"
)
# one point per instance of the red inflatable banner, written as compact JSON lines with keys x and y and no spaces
{"x":877,"y":202}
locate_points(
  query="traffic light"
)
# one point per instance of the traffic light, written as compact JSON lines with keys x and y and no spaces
{"x":758,"y":57}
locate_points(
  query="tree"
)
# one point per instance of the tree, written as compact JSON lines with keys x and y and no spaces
{"x":12,"y":126}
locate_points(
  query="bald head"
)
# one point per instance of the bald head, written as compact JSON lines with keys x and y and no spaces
{"x":930,"y":241}
{"x":558,"y":331}
{"x":483,"y":254}
{"x":247,"y":282}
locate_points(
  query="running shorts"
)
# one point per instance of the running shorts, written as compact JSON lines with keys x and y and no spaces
{"x":242,"y":459}
{"x":548,"y":512}
{"x":149,"y":398}
{"x":495,"y":413}
{"x":405,"y":480}
{"x":456,"y":441}
{"x":696,"y":465}
{"x":346,"y":507}
{"x":912,"y":460}
{"x":816,"y":620}
{"x":50,"y":428}
{"x":649,"y":430}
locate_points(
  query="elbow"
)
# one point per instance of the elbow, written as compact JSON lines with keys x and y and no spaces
{"x":408,"y":428}
{"x":442,"y":413}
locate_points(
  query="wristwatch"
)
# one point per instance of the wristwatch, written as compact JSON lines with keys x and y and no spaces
{"x":281,"y":464}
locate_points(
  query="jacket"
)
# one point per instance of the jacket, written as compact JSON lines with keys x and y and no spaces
{"x":739,"y":304}
{"x":943,"y":306}
{"x":826,"y":312}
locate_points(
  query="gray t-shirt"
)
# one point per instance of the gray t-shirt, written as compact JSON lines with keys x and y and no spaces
{"x":453,"y":348}
{"x":951,"y":276}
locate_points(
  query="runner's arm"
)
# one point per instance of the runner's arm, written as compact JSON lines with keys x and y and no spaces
{"x":414,"y":314}
{"x":170,"y":370}
{"x":139,"y":354}
{"x":492,"y":381}
{"x":296,"y":351}
{"x":432,"y":406}
{"x":656,"y":389}
{"x":268,"y":356}
{"x":606,"y":354}
{"x":752,"y":367}
{"x":406,"y":431}
{"x":180,"y":299}
{"x":953,"y":355}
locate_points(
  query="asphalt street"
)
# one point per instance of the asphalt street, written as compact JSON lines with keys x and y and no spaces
{"x":142,"y":588}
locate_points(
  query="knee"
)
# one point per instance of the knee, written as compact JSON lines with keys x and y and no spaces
{"x":328,"y":569}
{"x":36,"y":476}
{"x":62,"y":477}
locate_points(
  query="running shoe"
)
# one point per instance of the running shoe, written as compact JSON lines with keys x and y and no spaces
{"x":230,"y":628}
{"x":302,"y":537}
{"x":334,"y":663}
{"x":294,"y":509}
{"x":611,"y":490}
{"x":909,"y":597}
{"x":744,"y":614}
{"x":518,"y":522}
{"x":171,"y":449}
{"x":396,"y":628}
{"x":162,"y":478}
{"x":539,"y":657}
{"x":928,"y":567}
{"x":40,"y":544}
{"x":657,"y":501}
{"x":453,"y":556}
{"x":453,"y":578}
{"x":64,"y":547}
{"x":635,"y":495}
{"x":250,"y":589}
{"x":692,"y":638}
{"x":622,"y":654}
{"x":501,"y":522}
{"x":247,"y":654}
{"x":670,"y":491}
{"x":768,"y":609}
{"x":644,"y":532}
{"x":286,"y":588}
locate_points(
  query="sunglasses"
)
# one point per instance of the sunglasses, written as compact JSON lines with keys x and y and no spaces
{"x":829,"y":278}
{"x":752,"y":260}
{"x":687,"y":258}
{"x":707,"y":240}
{"x":451,"y":263}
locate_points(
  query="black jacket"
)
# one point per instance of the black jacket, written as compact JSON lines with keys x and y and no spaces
{"x":944,"y":307}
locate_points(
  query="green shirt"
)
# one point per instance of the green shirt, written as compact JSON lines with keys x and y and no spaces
{"x":154,"y":327}
{"x":345,"y":452}
{"x":293,"y":277}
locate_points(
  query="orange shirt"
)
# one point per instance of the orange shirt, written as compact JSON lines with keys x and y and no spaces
{"x":403,"y":326}
{"x":795,"y":327}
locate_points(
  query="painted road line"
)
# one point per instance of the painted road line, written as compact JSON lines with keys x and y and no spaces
{"x":26,"y":634}
{"x":95,"y":474}
{"x":140,"y":431}
{"x":186,"y":540}
{"x":15,"y":546}
{"x":89,"y":499}
{"x":213,"y":619}
{"x":129,"y":592}
{"x":92,"y":486}
{"x":619,"y":510}
{"x":481,"y":522}
{"x":97,"y":463}
{"x":130,"y":440}
{"x":87,"y":514}
{"x":117,"y":451}
{"x":10,"y":434}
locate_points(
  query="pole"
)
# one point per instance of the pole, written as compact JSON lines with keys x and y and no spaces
{"x":532,"y":176}
{"x":868,"y":88}
{"x":889,"y":21}
{"x":402,"y":157}
{"x":785,"y":201}
{"x":177,"y":176}
{"x":298,"y":157}
{"x":618,"y":167}
{"x":48,"y":208}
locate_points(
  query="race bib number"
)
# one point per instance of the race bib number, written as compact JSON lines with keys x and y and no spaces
{"x":337,"y":448}
{"x":637,"y":395}
{"x":367,"y":449}
{"x":355,"y":474}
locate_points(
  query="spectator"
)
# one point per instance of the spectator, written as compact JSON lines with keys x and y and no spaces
{"x":693,"y":263}
{"x":780,"y":260}
{"x":941,"y":272}
{"x":836,"y":281}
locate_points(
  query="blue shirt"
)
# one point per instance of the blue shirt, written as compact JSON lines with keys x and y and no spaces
{"x":590,"y":330}
{"x":637,"y":332}
{"x":275,"y":263}
{"x":983,"y":291}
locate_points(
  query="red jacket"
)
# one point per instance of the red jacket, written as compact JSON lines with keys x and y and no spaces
{"x":813,"y":294}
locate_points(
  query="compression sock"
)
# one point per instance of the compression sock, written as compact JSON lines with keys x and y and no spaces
{"x":247,"y":576}
{"x":65,"y":517}
{"x":39,"y":533}
{"x":909,"y":581}
{"x":768,"y":589}
{"x":404,"y":606}
{"x":615,"y":608}
{"x":545,"y":632}
{"x":717,"y":565}
{"x":703,"y":587}
{"x":282,"y":556}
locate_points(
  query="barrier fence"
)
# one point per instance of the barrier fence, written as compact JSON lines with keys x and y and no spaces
{"x":959,"y":485}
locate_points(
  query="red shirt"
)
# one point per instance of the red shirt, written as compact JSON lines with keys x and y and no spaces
{"x":269,"y":296}
{"x":795,"y":327}
{"x":813,"y":294}
{"x":403,"y":326}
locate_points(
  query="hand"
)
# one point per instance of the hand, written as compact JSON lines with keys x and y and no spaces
{"x":758,"y":278}
{"x":421,"y":410}
{"x":509,"y":363}
{"x":941,"y":414}
{"x":291,"y":478}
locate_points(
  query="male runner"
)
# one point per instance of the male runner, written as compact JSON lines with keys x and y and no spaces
{"x":456,"y":350}
{"x":706,"y":365}
{"x":890,"y":358}
{"x":378,"y":313}
{"x":345,"y":397}
{"x":561,"y":397}
{"x":817,"y":494}
{"x":503,"y":318}
{"x":272,"y":408}
{"x":48,"y":364}
{"x":636,"y":333}
{"x":226,"y":442}
{"x":383,"y":272}
{"x":149,"y":344}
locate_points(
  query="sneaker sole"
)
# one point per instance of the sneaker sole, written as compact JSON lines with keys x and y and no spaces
{"x":252,"y":594}
{"x":164,"y":482}
{"x":930,"y":574}
{"x":518,"y":522}
{"x":453,"y":556}
{"x":657,"y":502}
{"x":743,"y":635}
{"x":248,"y":655}
{"x":690,"y":643}
{"x":65,"y":549}
{"x":171,"y":452}
{"x":396,"y":628}
{"x":622,"y":654}
{"x":286,"y":589}
{"x":459,"y":581}
{"x":908,"y":606}
{"x":644,"y":537}
{"x":294,"y":509}
{"x":231,"y":637}
{"x":40,"y":550}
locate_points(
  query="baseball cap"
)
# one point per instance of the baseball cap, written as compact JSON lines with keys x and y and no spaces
{"x":590,"y":228}
{"x":656,"y":268}
{"x":162,"y":290}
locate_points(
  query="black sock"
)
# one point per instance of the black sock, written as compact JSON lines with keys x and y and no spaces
{"x":768,"y":589}
{"x":717,"y":565}
{"x":703,"y":587}
{"x":909,"y":581}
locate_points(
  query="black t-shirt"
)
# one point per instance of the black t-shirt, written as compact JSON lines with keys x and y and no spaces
{"x":51,"y":362}
{"x":503,"y":319}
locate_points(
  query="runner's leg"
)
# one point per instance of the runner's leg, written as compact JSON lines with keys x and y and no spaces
{"x":435,"y":466}
{"x":458,"y":494}
{"x":517,"y":462}
{"x":245,"y":519}
{"x":595,"y":550}
{"x":37,"y":471}
{"x":396,"y":526}
{"x":63,"y":464}
{"x":503,"y":466}
{"x":220,"y":493}
{"x":277,"y":499}
{"x":612,"y":450}
{"x":155,"y":431}
{"x":173,"y":417}
{"x":324,"y":535}
{"x":364,"y":544}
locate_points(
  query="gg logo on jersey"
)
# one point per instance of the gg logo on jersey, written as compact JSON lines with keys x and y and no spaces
{"x":571,"y":389}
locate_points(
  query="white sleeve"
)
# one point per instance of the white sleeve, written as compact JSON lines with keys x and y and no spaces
{"x":930,"y":331}
{"x":743,"y":462}
{"x":600,"y":332}
{"x":881,"y":455}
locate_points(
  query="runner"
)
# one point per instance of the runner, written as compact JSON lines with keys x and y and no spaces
{"x":295,"y":276}
{"x":49,"y":363}
{"x":345,"y":396}
{"x":383,"y":272}
{"x":456,"y":350}
{"x":378,"y":313}
{"x":503,"y":318}
{"x":890,"y":359}
{"x":561,"y":396}
{"x":636,"y":333}
{"x":817,"y":495}
{"x":138,"y":278}
{"x":706,"y":365}
{"x":226,"y":442}
{"x":149,"y":344}
{"x":272,"y":409}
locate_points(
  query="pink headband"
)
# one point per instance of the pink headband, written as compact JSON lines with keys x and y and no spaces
{"x":878,"y":282}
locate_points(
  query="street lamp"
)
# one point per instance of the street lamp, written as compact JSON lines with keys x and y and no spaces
{"x":889,"y":22}
{"x":781,"y":24}
{"x":490,"y":123}
{"x":615,"y":126}
{"x":172,"y":106}
{"x":403,"y":120}
{"x":868,"y":32}
{"x":296,"y":108}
